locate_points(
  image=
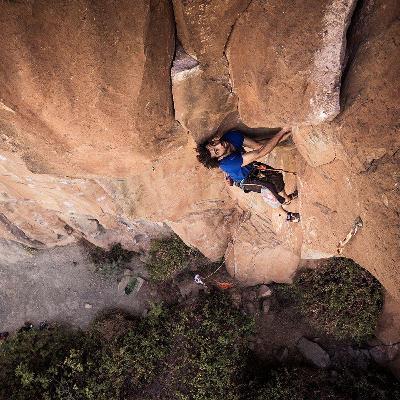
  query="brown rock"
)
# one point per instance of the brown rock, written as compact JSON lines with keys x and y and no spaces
{"x":204,"y":29}
{"x":208,"y":231}
{"x":362,"y":182}
{"x":285,"y":60}
{"x":201,"y":103}
{"x":317,"y":145}
{"x":259,"y":252}
{"x":86,"y":86}
{"x":86,"y":93}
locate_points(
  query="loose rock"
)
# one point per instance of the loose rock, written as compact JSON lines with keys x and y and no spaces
{"x":264,"y":291}
{"x":313,"y":352}
{"x":266,"y":305}
{"x":384,"y":354}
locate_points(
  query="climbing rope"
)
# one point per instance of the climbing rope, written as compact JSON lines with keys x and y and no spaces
{"x":198,"y":278}
{"x":226,"y":285}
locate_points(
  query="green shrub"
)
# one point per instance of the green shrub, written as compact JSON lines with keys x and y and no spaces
{"x":341,"y":299}
{"x":167,"y":256}
{"x":209,"y":339}
{"x":191,"y":351}
{"x":109,"y":263}
{"x":49,"y":364}
{"x":306,"y":383}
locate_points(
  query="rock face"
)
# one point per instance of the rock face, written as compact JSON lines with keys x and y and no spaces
{"x":201,"y":103}
{"x":204,"y":29}
{"x":355,"y":173}
{"x":98,"y":131}
{"x":286,"y":59}
{"x":86,"y":92}
{"x":85,"y":87}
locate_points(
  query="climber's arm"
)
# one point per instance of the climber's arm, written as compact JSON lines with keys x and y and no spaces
{"x":263,"y":150}
{"x":252,"y":144}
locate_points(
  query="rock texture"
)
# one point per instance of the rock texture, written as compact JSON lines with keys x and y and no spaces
{"x":91,"y":146}
{"x":355,"y":173}
{"x":286,"y":59}
{"x":201,"y":103}
{"x":85,"y":86}
{"x":204,"y":29}
{"x":86,"y":93}
{"x":313,"y":353}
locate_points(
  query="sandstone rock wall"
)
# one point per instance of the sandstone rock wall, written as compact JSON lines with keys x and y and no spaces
{"x":85,"y":86}
{"x":98,"y":133}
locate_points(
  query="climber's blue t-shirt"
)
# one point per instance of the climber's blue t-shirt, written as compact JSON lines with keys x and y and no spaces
{"x":232,"y":164}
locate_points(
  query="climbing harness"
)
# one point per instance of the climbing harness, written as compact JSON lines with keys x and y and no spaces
{"x":358,"y":224}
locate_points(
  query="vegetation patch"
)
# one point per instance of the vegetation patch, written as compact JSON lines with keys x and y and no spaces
{"x":306,"y":383}
{"x":167,"y":256}
{"x":340,"y":298}
{"x":192,"y":351}
{"x":210,"y":342}
{"x":130,"y":287}
{"x":112,"y":262}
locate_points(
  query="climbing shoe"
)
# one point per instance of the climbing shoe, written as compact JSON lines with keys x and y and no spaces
{"x":293,"y":217}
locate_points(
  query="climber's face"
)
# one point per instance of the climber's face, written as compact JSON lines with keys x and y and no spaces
{"x":217,"y":148}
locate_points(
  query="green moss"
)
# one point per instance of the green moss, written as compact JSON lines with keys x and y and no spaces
{"x":129,"y":288}
{"x":340,"y":298}
{"x":167,"y":256}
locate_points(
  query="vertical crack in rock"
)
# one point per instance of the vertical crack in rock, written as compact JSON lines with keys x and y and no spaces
{"x":227,"y":44}
{"x":182,"y":62}
{"x":329,"y":61}
{"x":353,"y":43}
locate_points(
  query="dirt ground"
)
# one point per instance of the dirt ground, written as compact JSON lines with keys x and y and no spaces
{"x":61,"y":284}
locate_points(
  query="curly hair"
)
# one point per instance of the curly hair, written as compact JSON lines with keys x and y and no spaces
{"x":204,"y":156}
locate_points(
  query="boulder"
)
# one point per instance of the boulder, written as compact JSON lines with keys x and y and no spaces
{"x":313,"y":353}
{"x":264,"y":291}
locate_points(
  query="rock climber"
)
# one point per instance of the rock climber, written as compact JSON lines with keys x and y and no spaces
{"x":242,"y":169}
